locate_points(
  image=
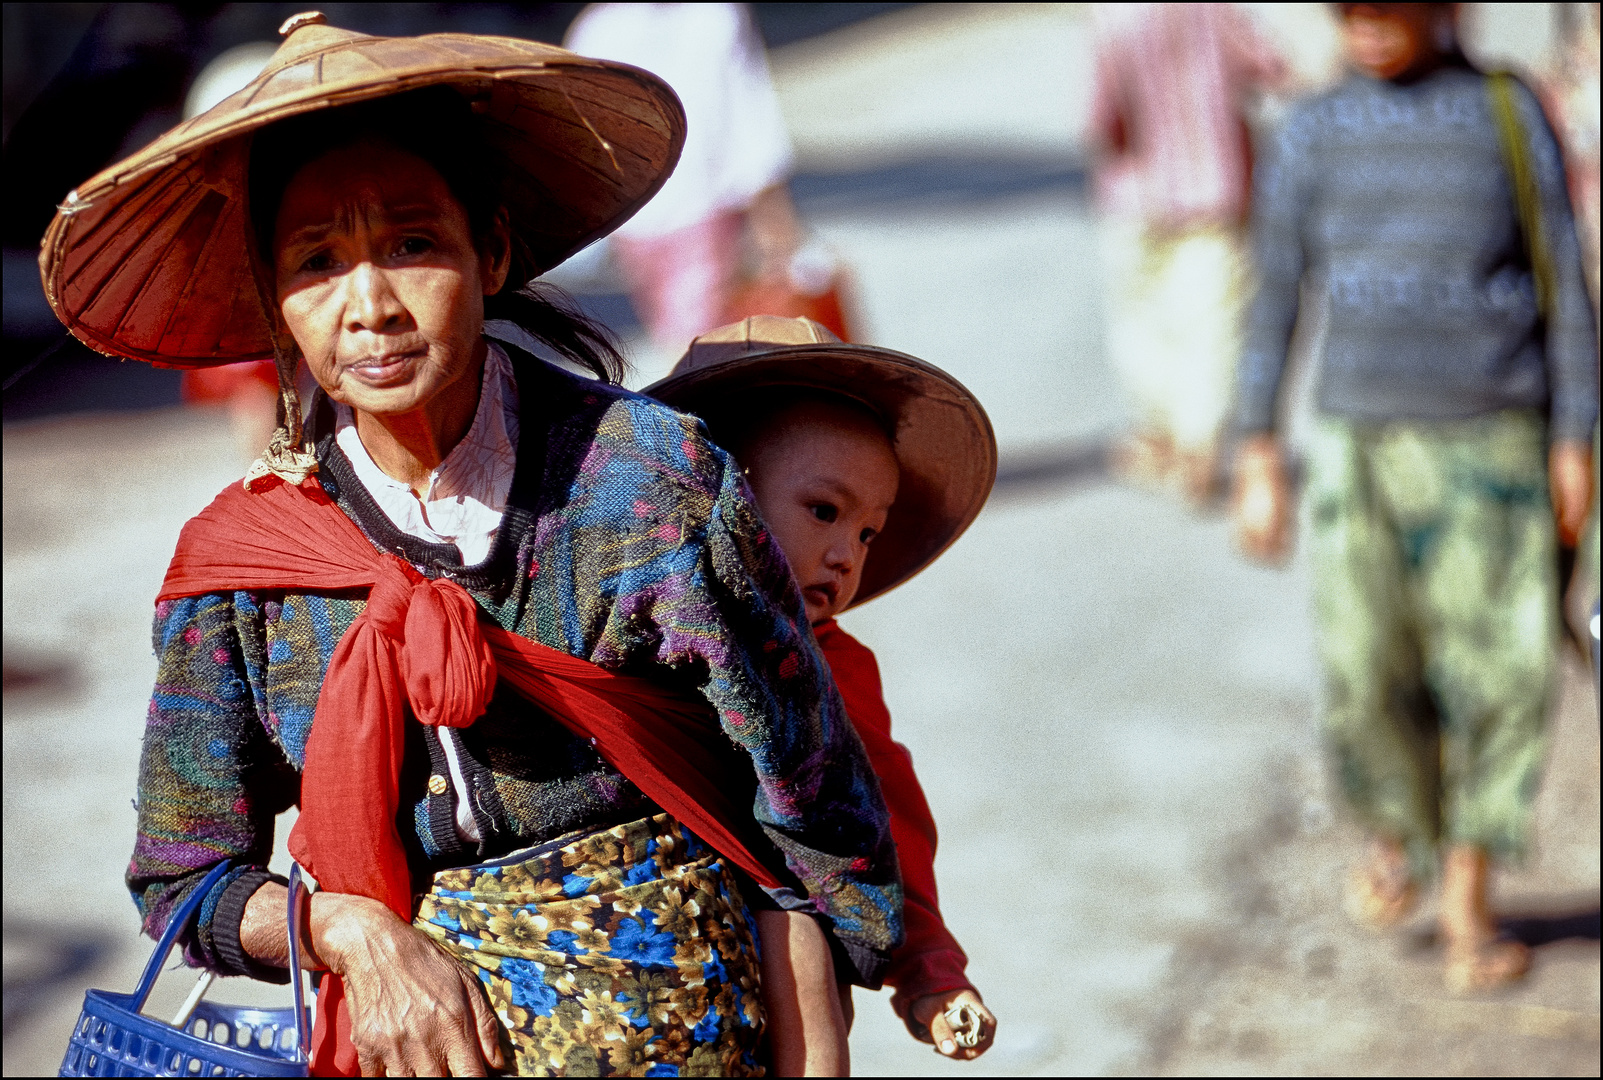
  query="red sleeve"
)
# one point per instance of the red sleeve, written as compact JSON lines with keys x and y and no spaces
{"x":931,"y":960}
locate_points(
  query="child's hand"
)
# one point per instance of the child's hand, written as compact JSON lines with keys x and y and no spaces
{"x":931,"y":1011}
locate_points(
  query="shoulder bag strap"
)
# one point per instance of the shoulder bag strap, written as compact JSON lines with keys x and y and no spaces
{"x":1522,"y":178}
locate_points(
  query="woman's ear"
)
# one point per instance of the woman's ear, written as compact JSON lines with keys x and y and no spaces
{"x":495,"y":253}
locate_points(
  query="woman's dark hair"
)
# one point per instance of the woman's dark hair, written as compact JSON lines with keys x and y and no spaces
{"x":438,"y":125}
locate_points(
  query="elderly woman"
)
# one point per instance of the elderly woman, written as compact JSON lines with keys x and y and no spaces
{"x":513,"y":639}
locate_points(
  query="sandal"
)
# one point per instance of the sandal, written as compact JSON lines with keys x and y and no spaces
{"x":1381,"y":893}
{"x":1485,"y":964}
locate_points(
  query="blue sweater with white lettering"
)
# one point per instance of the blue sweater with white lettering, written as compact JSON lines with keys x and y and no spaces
{"x":1394,"y":202}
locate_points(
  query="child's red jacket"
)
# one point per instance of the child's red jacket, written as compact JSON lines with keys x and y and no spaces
{"x":930,"y":961}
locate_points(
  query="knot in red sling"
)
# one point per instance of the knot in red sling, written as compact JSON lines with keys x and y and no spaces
{"x":432,"y":629}
{"x":420,"y":644}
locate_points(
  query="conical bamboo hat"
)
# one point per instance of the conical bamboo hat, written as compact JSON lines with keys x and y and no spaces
{"x":152,"y":258}
{"x":943,"y":440}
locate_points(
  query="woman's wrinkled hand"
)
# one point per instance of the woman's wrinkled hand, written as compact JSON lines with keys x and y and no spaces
{"x":930,"y":1012}
{"x":414,"y":1010}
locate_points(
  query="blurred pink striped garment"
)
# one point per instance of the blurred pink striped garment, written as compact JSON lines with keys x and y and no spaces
{"x":1167,"y":105}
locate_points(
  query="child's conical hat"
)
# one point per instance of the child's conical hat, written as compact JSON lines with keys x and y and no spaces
{"x":944,"y":442}
{"x":152,"y":258}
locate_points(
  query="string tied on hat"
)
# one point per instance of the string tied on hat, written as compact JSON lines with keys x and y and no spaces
{"x":286,"y":456}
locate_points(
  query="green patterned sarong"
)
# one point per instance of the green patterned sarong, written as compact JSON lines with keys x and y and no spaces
{"x":627,"y":952}
{"x":1434,"y":568}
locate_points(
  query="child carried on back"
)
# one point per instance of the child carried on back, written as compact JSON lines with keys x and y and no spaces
{"x":866,"y":465}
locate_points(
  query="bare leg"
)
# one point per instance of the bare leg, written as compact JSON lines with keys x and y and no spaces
{"x":1382,"y":892}
{"x":1476,"y":960}
{"x":1199,"y":471}
{"x":1146,"y":458}
{"x":806,"y":1027}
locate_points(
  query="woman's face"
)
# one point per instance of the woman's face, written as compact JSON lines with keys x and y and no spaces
{"x":379,"y":279}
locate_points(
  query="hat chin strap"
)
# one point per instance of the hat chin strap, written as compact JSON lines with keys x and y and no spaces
{"x":286,"y":456}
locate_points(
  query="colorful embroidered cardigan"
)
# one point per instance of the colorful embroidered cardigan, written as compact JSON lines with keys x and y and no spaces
{"x":628,"y":540}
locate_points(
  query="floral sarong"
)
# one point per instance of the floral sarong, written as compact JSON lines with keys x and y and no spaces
{"x":626,"y":952}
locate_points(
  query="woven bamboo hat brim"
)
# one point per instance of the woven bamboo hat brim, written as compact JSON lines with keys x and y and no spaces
{"x":943,"y":439}
{"x":152,"y":258}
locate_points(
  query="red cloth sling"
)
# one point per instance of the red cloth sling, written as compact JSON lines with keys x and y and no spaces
{"x":421,"y":644}
{"x":930,"y":960}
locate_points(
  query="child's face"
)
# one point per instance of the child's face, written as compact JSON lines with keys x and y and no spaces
{"x":824,"y":479}
{"x":1386,"y":41}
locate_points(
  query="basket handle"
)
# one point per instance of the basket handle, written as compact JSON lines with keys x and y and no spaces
{"x":187,"y":910}
{"x":297,"y":888}
{"x":175,"y":926}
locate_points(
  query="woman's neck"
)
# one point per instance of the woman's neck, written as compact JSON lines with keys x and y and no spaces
{"x":409,"y":446}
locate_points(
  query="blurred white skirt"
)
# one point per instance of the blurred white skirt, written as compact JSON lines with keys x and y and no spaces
{"x":1175,"y":300}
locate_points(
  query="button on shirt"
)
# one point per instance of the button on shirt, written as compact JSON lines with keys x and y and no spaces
{"x":462,"y":505}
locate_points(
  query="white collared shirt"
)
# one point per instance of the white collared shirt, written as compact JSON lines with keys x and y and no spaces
{"x":467,"y":492}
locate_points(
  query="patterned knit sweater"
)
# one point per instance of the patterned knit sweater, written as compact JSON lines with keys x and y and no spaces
{"x":1394,"y":201}
{"x":628,"y":540}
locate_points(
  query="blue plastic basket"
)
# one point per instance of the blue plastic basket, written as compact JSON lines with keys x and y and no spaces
{"x":114,"y":1038}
